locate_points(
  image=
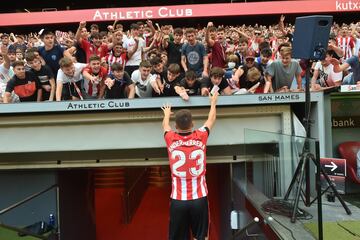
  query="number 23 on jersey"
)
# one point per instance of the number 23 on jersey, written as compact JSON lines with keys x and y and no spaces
{"x":193,"y":164}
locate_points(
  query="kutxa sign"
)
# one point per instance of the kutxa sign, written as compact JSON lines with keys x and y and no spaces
{"x":180,"y":11}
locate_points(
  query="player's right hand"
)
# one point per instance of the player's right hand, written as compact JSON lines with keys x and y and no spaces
{"x":167,"y":109}
{"x":213,"y":98}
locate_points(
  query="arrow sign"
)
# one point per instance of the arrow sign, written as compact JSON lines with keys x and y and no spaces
{"x":333,"y":166}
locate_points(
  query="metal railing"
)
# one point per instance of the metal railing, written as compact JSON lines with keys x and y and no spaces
{"x":134,"y":194}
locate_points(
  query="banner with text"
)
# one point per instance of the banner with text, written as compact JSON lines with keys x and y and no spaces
{"x":180,"y":11}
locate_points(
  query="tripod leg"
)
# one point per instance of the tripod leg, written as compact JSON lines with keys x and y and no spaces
{"x":298,"y":191}
{"x":331,"y":184}
{"x":293,"y":180}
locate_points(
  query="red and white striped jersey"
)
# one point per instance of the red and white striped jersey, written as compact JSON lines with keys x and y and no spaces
{"x":93,"y":89}
{"x":347,"y":44}
{"x":187,"y":157}
{"x":111,"y":58}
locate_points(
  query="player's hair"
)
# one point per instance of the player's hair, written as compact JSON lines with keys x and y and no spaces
{"x":183,"y":119}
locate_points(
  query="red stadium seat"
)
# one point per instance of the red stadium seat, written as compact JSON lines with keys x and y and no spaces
{"x":348,"y":150}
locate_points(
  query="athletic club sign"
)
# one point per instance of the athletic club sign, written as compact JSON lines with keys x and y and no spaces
{"x":161,"y":12}
{"x":180,"y":11}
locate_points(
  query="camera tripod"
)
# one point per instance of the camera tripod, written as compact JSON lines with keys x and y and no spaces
{"x":302,"y":172}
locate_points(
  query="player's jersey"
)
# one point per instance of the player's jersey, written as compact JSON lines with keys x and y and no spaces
{"x":187,"y":156}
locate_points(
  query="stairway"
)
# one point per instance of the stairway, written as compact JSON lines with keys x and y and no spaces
{"x":109,"y":178}
{"x":109,"y":184}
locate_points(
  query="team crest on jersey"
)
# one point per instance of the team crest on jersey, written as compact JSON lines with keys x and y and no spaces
{"x":53,"y":57}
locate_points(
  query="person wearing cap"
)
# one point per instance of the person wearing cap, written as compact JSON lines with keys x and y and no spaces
{"x":281,"y":73}
{"x":240,"y":76}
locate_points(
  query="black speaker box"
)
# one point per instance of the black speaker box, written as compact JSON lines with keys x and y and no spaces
{"x":311,"y":37}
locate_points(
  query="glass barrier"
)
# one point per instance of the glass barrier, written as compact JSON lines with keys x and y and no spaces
{"x":276,"y":185}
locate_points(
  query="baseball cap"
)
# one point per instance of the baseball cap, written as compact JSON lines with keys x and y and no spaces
{"x":250,"y":54}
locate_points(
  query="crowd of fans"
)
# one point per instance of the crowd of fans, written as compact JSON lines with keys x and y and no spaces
{"x":155,"y":61}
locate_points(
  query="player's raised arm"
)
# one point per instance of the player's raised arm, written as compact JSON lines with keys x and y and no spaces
{"x":167,"y":113}
{"x":212,"y":113}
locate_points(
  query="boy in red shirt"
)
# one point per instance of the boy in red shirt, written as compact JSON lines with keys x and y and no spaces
{"x":94,"y":78}
{"x":187,"y":156}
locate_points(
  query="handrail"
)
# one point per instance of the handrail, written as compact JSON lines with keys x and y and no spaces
{"x":130,"y":208}
{"x":15,"y":205}
{"x":136,"y":181}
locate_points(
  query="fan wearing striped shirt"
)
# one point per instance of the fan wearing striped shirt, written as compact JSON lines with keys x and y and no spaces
{"x":187,"y":158}
{"x":116,"y":55}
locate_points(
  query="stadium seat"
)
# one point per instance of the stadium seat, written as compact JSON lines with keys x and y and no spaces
{"x":348,"y":150}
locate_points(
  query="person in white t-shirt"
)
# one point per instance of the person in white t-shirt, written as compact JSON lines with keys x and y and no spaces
{"x":131,"y":43}
{"x":69,"y":78}
{"x":144,"y":81}
{"x":324,"y":75}
{"x":6,"y":73}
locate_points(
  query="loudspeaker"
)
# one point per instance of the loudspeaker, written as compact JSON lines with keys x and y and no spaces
{"x":311,"y":37}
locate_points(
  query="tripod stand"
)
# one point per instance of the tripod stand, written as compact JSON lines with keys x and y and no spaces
{"x":302,"y":170}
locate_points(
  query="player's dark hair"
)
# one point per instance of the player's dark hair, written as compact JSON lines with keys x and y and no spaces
{"x":183,"y":119}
